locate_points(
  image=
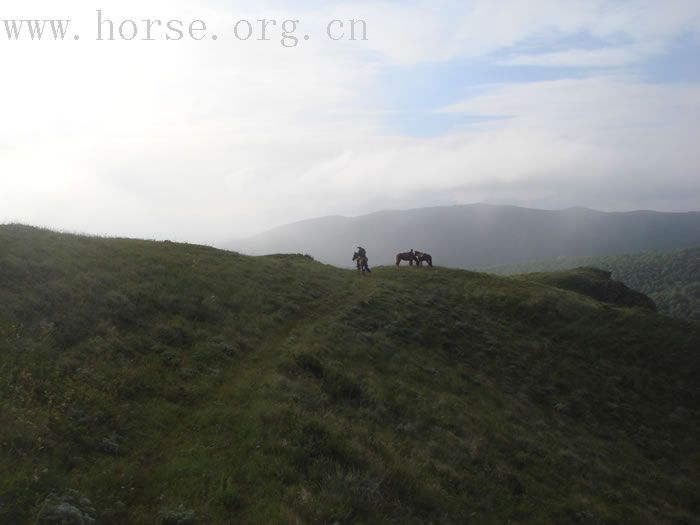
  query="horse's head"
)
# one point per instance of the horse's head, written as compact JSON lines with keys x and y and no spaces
{"x":355,"y":257}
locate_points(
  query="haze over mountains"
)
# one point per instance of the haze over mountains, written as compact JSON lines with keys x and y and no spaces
{"x":479,"y":236}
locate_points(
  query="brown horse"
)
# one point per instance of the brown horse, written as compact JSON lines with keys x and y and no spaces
{"x":362,"y":263}
{"x":406,"y":256}
{"x":424,"y":258}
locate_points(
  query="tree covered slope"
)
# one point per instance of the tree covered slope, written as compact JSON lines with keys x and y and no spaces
{"x":147,"y":382}
{"x":671,"y":279}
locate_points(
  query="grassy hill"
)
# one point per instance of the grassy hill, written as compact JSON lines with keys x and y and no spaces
{"x":671,"y":279}
{"x":146,"y":382}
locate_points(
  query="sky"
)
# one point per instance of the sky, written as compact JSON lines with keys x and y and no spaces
{"x":537,"y":103}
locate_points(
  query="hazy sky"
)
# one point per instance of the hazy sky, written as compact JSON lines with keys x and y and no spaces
{"x":534,"y":102}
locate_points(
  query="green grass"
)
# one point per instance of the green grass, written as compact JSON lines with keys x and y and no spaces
{"x":174,"y":383}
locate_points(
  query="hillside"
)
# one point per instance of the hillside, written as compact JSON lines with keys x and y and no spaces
{"x":480,"y":236}
{"x":146,"y":382}
{"x":671,"y":279}
{"x":595,"y":283}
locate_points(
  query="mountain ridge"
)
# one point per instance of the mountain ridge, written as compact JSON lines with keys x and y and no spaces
{"x":479,"y":236}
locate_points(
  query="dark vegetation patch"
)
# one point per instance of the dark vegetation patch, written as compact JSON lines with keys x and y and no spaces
{"x":597,"y":284}
{"x":671,"y":279}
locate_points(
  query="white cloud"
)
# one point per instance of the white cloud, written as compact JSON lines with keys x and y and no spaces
{"x":590,"y":139}
{"x":423,"y":31}
{"x":606,"y":57}
{"x":206,"y":141}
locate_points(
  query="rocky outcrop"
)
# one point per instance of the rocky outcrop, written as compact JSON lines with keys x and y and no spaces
{"x":597,"y":284}
{"x":68,"y":508}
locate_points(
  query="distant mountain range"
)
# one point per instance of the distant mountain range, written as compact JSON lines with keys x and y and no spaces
{"x":479,"y":236}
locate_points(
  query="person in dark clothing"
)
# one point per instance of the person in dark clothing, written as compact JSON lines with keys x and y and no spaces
{"x":362,"y":260}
